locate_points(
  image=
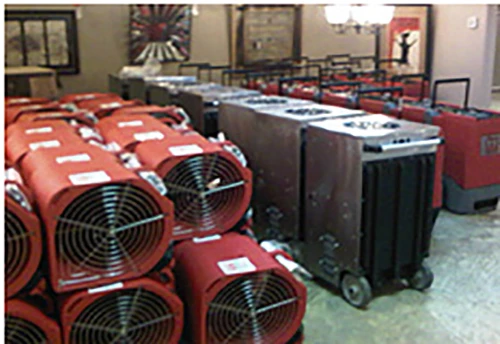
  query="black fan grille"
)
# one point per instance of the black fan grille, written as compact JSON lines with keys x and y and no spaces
{"x":207,"y":190}
{"x":107,"y":231}
{"x":266,"y":101}
{"x":17,"y":246}
{"x":257,"y":308}
{"x":126,"y":316}
{"x":307,"y":111}
{"x":20,"y":331}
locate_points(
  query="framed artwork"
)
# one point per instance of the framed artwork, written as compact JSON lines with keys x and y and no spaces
{"x":407,"y":39}
{"x":42,"y":38}
{"x":160,"y":31}
{"x":267,"y":32}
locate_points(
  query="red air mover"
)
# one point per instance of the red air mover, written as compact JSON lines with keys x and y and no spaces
{"x":103,"y":223}
{"x":169,"y":115}
{"x":137,"y":311}
{"x":12,"y":114}
{"x":76,"y":98}
{"x":26,"y":324}
{"x":23,"y":101}
{"x":22,"y":138}
{"x":207,"y":181}
{"x":102,"y":107}
{"x":235,"y":292}
{"x":23,"y":236}
{"x":128,"y":131}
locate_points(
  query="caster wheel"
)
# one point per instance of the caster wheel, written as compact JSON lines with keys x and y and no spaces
{"x":422,"y":279}
{"x":356,"y":290}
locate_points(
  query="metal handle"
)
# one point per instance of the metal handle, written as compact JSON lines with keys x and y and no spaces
{"x":191,"y":65}
{"x":397,"y":146}
{"x":452,"y":81}
{"x":231,"y":72}
{"x":340,"y":83}
{"x":381,"y":90}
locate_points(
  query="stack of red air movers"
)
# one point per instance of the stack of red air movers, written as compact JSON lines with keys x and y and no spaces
{"x":88,"y":238}
{"x":210,"y":186}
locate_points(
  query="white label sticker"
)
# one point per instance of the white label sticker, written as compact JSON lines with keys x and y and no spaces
{"x":89,"y":178}
{"x":186,"y":150}
{"x":18,"y":101}
{"x":52,"y":114}
{"x":38,"y":130}
{"x":110,"y":105}
{"x":85,"y":97}
{"x":205,"y":239}
{"x":113,"y":286}
{"x":73,"y":158}
{"x":130,"y":124}
{"x":44,"y":144}
{"x":12,"y":175}
{"x":152,"y":135}
{"x":236,"y":266}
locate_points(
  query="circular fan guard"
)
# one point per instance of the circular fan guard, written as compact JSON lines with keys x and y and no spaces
{"x":17,"y":246}
{"x":108,"y":230}
{"x":20,"y":331}
{"x":257,"y":308}
{"x":126,"y":316}
{"x":307,"y":111}
{"x":207,"y":191}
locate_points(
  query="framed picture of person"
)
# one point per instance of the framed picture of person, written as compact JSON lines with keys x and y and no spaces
{"x":406,"y":38}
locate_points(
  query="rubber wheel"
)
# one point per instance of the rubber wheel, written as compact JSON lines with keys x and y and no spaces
{"x":356,"y":290}
{"x":422,"y":279}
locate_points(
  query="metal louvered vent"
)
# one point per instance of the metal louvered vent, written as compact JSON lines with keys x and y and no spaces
{"x":17,"y":246}
{"x":371,"y":125}
{"x":266,"y":101}
{"x":20,"y":331}
{"x":106,"y":231}
{"x":126,"y":316}
{"x":256,"y":308}
{"x":206,"y":190}
{"x":307,"y":111}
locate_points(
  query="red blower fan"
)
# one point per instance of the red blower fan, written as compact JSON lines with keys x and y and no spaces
{"x":24,"y":137}
{"x":137,"y":311}
{"x":128,"y":131}
{"x":26,"y":324}
{"x":169,"y":115}
{"x":23,"y":236}
{"x":12,"y":114}
{"x":79,"y":117}
{"x":103,"y":222}
{"x":207,"y":181}
{"x":235,"y":292}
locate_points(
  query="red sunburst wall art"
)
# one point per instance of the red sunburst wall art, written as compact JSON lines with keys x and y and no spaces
{"x":160,"y":31}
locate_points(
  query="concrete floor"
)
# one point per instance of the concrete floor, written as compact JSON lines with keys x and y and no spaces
{"x":462,"y":306}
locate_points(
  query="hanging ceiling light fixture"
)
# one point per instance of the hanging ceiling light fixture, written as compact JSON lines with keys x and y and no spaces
{"x":360,"y":17}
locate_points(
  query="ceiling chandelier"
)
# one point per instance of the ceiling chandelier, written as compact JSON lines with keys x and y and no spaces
{"x":361,"y":18}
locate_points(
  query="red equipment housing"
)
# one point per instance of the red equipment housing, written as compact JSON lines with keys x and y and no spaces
{"x":13,"y":113}
{"x":209,"y":185}
{"x":81,"y":117}
{"x":136,"y":311}
{"x":472,"y":149}
{"x":169,"y":115}
{"x":23,"y":101}
{"x":129,"y":130}
{"x":103,"y":222}
{"x":235,"y":292}
{"x":23,"y":234}
{"x":25,"y":323}
{"x":103,"y":107}
{"x":24,"y":137}
{"x":76,"y":98}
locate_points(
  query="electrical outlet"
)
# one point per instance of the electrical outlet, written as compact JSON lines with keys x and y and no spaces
{"x":472,"y":22}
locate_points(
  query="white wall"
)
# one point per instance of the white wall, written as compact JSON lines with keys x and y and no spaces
{"x":462,"y":52}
